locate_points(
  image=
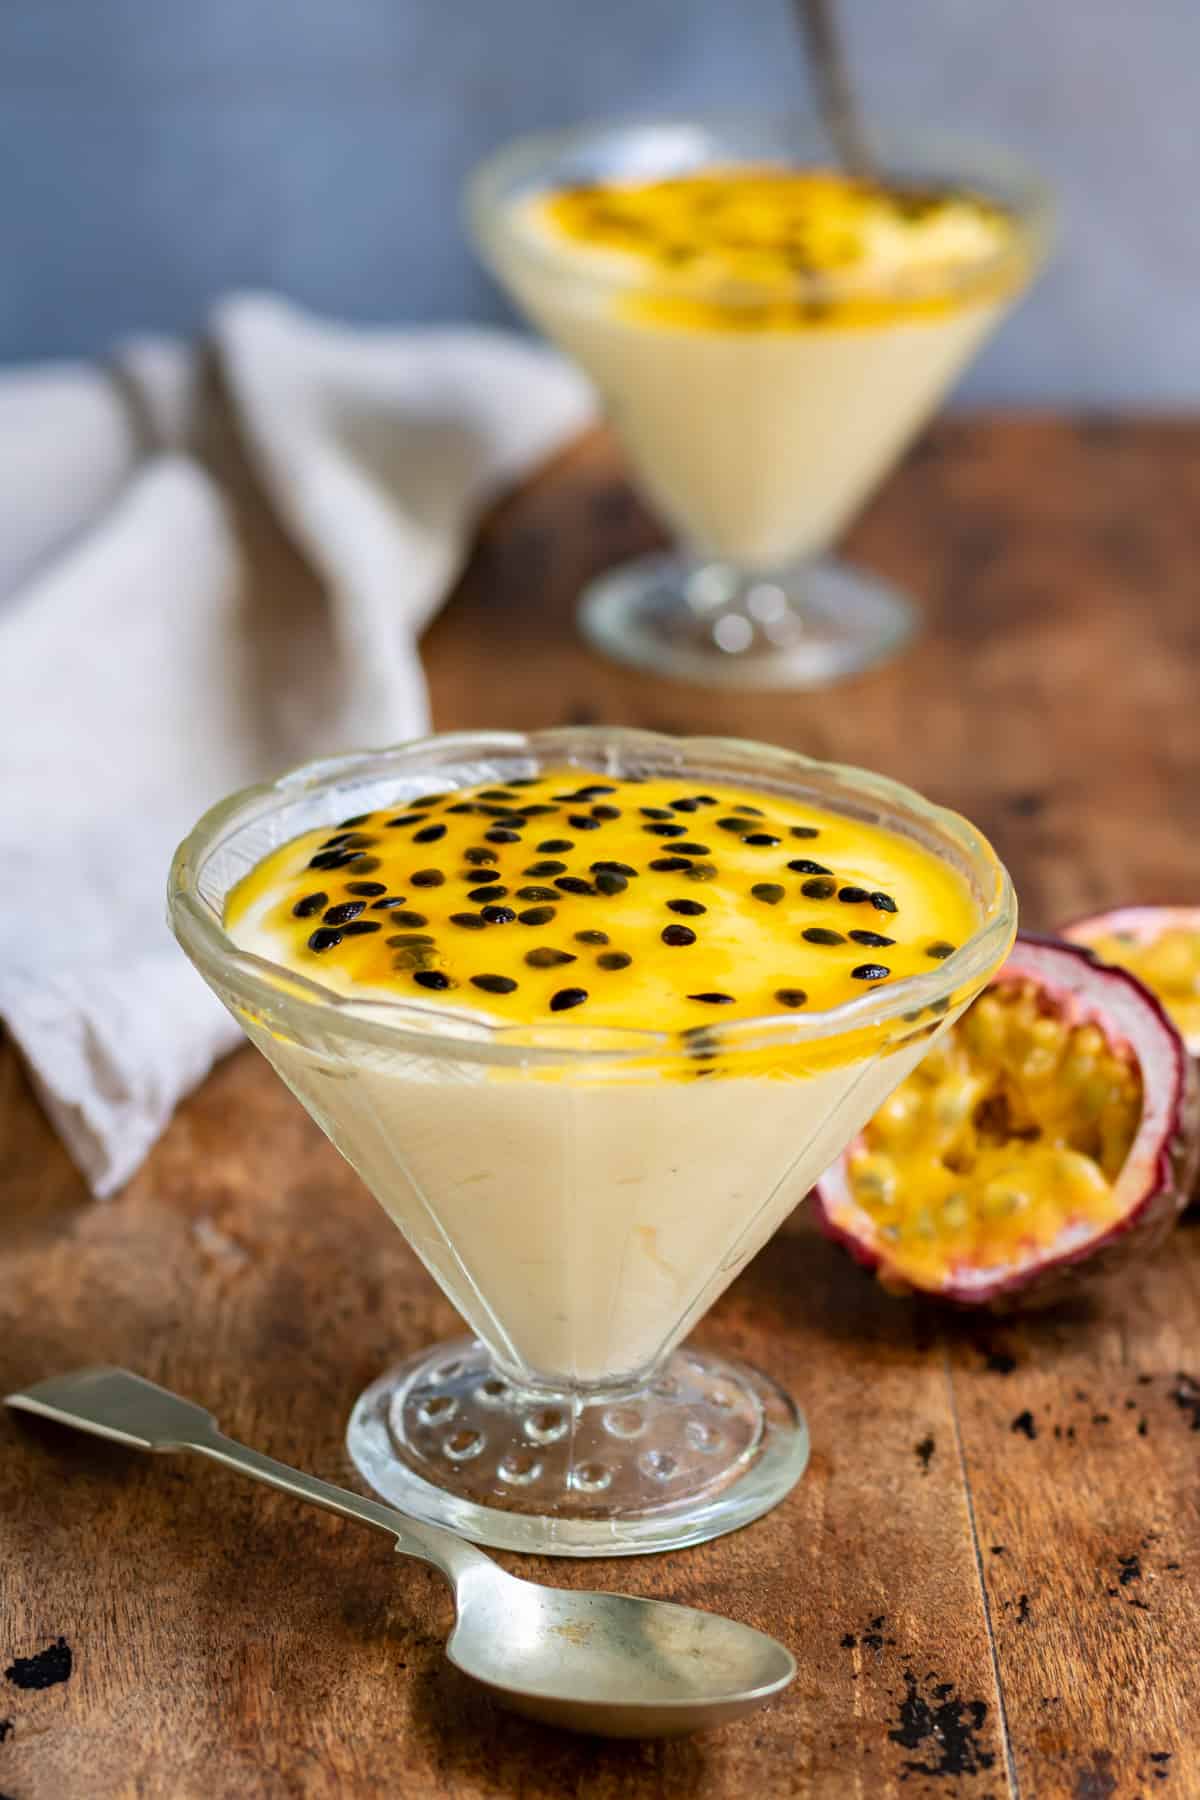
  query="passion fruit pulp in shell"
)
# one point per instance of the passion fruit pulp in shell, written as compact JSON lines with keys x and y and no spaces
{"x":1049,"y":1134}
{"x":1161,"y":946}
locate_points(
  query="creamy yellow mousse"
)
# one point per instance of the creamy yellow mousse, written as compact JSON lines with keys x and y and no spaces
{"x":581,"y":1211}
{"x":766,"y":339}
{"x":652,"y":905}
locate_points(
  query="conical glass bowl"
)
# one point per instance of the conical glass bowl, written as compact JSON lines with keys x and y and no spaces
{"x":581,"y":1196}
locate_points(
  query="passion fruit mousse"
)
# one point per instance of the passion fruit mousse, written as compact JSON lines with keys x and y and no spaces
{"x":768,"y":337}
{"x":576,"y":1206}
{"x":1050,"y":1133}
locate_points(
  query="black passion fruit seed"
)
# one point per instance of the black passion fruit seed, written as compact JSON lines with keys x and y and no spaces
{"x":591,"y":937}
{"x":883,"y":903}
{"x":324,"y":939}
{"x":870,"y":972}
{"x":938,"y":951}
{"x":477,"y":854}
{"x":691,"y":909}
{"x":817,"y":934}
{"x":429,"y":834}
{"x":494,"y":984}
{"x":495,"y":892}
{"x":610,"y":884}
{"x":713,"y":999}
{"x":555,"y":847}
{"x":821,"y":887}
{"x":545,"y":958}
{"x":566,"y":998}
{"x":467,"y":921}
{"x":432,"y":978}
{"x":497,"y":915}
{"x":545,"y":868}
{"x":347,"y":910}
{"x":369,"y":888}
{"x":424,"y":878}
{"x":537,"y":915}
{"x":613,"y":959}
{"x":769,"y":892}
{"x":874,"y":940}
{"x":791,"y":996}
{"x":311,"y":903}
{"x":804,"y":865}
{"x":678,"y":935}
{"x":760,"y":839}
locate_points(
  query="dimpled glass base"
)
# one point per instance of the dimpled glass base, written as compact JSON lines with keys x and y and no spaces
{"x":702,"y":1448}
{"x":719,"y":626}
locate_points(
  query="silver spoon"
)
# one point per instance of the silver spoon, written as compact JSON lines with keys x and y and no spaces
{"x":604,"y":1663}
{"x":835,"y":91}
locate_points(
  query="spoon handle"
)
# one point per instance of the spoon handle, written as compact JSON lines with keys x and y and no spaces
{"x":114,"y":1403}
{"x":835,"y":92}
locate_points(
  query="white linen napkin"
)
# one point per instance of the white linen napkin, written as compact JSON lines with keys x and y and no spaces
{"x":149,"y":663}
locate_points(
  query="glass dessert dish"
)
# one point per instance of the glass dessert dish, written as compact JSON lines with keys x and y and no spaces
{"x":765,"y":353}
{"x":582,"y":1192}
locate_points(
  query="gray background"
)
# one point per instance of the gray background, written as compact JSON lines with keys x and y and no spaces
{"x":156,"y":152}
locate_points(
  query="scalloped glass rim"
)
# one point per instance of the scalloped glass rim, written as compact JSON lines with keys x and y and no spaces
{"x":540,"y":161}
{"x":258,"y":982}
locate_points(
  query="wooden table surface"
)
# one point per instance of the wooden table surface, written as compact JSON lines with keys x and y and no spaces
{"x":989,"y":1572}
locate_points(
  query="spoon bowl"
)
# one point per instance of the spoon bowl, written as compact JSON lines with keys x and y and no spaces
{"x":608,"y":1664}
{"x":611,"y":1663}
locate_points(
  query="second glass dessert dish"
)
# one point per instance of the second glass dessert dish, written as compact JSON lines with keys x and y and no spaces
{"x":589,"y":1011}
{"x":767,"y":334}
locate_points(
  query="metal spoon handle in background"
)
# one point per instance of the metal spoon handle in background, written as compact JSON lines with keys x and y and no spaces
{"x":835,"y":93}
{"x":116,"y":1404}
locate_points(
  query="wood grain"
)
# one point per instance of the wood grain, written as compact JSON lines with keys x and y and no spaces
{"x":977,"y":1611}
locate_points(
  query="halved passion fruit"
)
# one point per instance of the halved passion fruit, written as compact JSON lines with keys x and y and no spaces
{"x":1161,"y":945}
{"x":1053,"y":1125}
